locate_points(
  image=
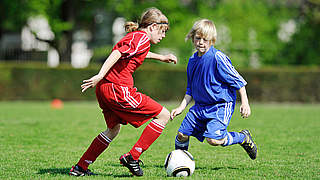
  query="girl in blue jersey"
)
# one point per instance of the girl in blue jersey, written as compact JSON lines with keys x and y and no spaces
{"x":212,"y":83}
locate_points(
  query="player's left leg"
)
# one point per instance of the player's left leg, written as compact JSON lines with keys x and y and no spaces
{"x":249,"y":145}
{"x":217,"y":133}
{"x":234,"y":138}
{"x":215,"y":142}
{"x":230,"y":139}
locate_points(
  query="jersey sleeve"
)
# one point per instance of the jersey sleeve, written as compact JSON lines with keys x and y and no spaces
{"x":227,"y":73}
{"x":133,"y":43}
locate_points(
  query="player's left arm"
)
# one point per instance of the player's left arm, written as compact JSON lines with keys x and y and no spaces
{"x":227,"y":73}
{"x":244,"y":107}
{"x":164,"y":58}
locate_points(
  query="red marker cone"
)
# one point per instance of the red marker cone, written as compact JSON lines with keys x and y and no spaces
{"x":56,"y":104}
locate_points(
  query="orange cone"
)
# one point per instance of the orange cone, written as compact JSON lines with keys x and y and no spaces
{"x":56,"y":104}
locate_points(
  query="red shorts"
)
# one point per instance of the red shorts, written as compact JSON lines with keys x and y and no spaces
{"x":123,"y":105}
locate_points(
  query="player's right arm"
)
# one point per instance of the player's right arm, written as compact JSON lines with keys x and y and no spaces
{"x":110,"y":61}
{"x":184,"y":103}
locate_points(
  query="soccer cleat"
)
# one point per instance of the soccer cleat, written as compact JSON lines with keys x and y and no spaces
{"x":78,"y":171}
{"x":133,"y":165}
{"x":249,"y":145}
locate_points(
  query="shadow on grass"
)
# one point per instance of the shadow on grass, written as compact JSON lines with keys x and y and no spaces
{"x":65,"y":171}
{"x":218,"y":168}
{"x":54,"y":171}
{"x":205,"y":168}
{"x":129,"y":174}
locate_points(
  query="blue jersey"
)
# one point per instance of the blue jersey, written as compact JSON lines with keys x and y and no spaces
{"x":212,"y":79}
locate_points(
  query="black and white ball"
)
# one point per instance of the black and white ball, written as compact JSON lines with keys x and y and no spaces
{"x":179,"y":163}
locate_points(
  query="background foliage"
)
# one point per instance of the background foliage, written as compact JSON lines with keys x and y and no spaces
{"x":247,"y":30}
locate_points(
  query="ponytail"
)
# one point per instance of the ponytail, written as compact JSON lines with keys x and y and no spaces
{"x":150,"y":16}
{"x":131,"y":26}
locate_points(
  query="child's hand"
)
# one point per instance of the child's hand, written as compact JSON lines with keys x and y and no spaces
{"x":245,"y":110}
{"x":170,"y":58}
{"x":175,"y":112}
{"x":90,"y":83}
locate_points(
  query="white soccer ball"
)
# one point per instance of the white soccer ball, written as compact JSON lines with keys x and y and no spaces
{"x":179,"y":163}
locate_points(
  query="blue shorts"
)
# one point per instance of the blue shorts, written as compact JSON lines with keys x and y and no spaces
{"x":207,"y":121}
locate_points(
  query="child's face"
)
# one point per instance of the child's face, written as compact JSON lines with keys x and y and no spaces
{"x":201,"y":44}
{"x":157,"y":34}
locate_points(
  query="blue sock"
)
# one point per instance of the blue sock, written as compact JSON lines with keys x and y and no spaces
{"x":181,"y":145}
{"x":234,"y":138}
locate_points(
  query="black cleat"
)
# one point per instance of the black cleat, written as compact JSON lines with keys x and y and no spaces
{"x":133,"y":165}
{"x":249,"y":145}
{"x":78,"y":171}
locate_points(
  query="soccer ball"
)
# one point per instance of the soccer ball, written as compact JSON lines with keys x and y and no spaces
{"x":179,"y":163}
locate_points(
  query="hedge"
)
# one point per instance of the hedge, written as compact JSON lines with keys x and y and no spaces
{"x":161,"y":82}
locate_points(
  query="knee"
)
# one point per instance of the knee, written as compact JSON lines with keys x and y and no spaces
{"x":112,"y":133}
{"x":164,"y":116}
{"x":215,"y":142}
{"x":182,"y":138}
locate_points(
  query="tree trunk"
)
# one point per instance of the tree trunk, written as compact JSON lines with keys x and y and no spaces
{"x":65,"y":44}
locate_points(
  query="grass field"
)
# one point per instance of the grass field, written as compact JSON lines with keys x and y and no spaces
{"x":38,"y":142}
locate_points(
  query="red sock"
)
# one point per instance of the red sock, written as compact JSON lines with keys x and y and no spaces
{"x":148,"y":136}
{"x":98,"y":145}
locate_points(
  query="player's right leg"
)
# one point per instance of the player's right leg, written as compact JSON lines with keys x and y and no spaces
{"x":98,"y":145}
{"x":182,"y":141}
{"x":192,"y":125}
{"x":151,"y":132}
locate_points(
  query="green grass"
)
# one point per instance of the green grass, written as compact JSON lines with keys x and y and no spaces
{"x":38,"y":142}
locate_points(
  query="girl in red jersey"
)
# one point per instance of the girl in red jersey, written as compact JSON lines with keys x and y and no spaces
{"x":119,"y":100}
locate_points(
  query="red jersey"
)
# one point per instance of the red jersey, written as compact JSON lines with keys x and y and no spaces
{"x":134,"y":47}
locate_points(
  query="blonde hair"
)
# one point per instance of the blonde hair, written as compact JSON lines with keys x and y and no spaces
{"x":150,"y":16}
{"x":205,"y":28}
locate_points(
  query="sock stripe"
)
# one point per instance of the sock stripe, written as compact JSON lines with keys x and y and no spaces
{"x":158,"y":125}
{"x":229,"y":140}
{"x":154,"y":129}
{"x":103,"y":142}
{"x":104,"y":137}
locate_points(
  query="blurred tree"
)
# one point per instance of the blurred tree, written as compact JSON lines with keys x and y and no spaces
{"x":250,"y":32}
{"x":180,"y":15}
{"x":64,"y":16}
{"x":10,"y":19}
{"x":305,"y":47}
{"x":246,"y":29}
{"x":252,"y":28}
